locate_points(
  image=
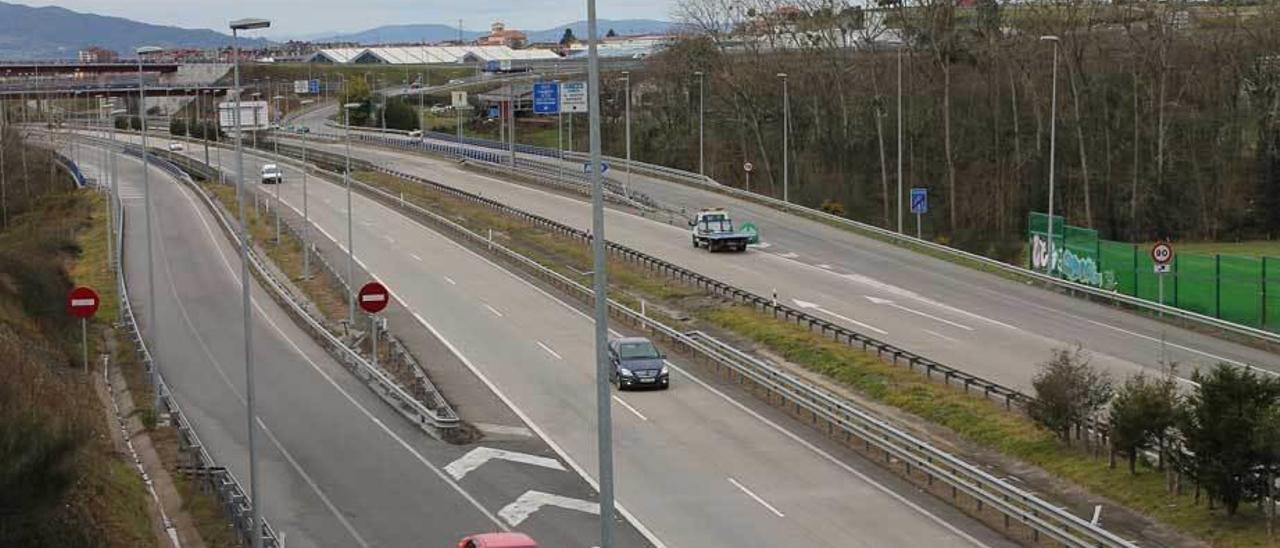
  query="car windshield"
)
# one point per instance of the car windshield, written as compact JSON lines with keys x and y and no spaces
{"x":716,"y":223}
{"x":637,"y":350}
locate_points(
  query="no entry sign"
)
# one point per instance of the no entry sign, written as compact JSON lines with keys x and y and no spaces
{"x":82,"y":302}
{"x":373,"y":297}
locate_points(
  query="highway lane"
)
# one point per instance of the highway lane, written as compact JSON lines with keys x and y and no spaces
{"x":338,"y":466}
{"x":694,"y":466}
{"x":979,"y":322}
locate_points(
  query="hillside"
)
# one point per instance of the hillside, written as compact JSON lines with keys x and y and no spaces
{"x":57,"y":33}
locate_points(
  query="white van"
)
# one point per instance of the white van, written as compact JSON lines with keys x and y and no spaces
{"x":271,"y":174}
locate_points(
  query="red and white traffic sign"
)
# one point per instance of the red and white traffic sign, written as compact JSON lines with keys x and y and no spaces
{"x":82,"y":302}
{"x":373,"y":297}
{"x":1162,"y":253}
{"x":747,"y":167}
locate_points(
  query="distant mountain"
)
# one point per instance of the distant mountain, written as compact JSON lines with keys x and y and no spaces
{"x":58,"y":33}
{"x":619,"y":26}
{"x":402,"y":33}
{"x":439,"y":33}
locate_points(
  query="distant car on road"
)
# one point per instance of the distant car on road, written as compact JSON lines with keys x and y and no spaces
{"x":498,"y":540}
{"x":455,"y":81}
{"x":416,"y":134}
{"x":176,"y":147}
{"x":271,"y":174}
{"x":637,"y":363}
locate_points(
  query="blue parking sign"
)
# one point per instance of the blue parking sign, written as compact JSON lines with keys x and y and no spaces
{"x":546,"y":98}
{"x":919,"y":200}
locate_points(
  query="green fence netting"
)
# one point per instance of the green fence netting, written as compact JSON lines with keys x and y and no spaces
{"x":1244,"y":290}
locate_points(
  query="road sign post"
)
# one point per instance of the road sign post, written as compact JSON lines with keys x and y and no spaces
{"x":546,"y":98}
{"x":919,"y":206}
{"x":746,"y":168}
{"x":1161,"y":258}
{"x":373,"y":297}
{"x":82,"y":302}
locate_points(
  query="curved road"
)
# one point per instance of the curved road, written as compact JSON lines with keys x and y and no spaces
{"x":694,"y":465}
{"x":978,"y":322}
{"x":338,"y":466}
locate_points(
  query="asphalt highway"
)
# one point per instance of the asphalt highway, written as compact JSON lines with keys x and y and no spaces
{"x":978,"y":322}
{"x":695,"y":465}
{"x":339,"y":467}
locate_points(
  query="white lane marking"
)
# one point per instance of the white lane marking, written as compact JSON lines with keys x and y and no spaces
{"x":450,"y":280}
{"x":631,"y":409}
{"x":824,"y":266}
{"x":531,"y":501}
{"x":346,"y":395}
{"x":415,"y":257}
{"x":502,"y":430}
{"x":648,"y":534}
{"x":756,"y":498}
{"x":788,"y":255}
{"x":389,"y":239}
{"x":815,"y":306}
{"x":549,"y":350}
{"x":939,"y":335}
{"x":830,"y":458}
{"x":494,"y":310}
{"x":1178,"y":346}
{"x":889,"y":303}
{"x":477,"y":457}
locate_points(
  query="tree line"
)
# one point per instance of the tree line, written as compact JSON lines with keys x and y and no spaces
{"x":1223,"y":437}
{"x":1167,"y":120}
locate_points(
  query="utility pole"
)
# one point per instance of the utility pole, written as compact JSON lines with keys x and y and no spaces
{"x":1053,"y":137}
{"x":626,"y":76}
{"x":900,"y":208}
{"x":786,"y":129}
{"x":600,"y":286}
{"x":701,"y":111}
{"x":146,"y":191}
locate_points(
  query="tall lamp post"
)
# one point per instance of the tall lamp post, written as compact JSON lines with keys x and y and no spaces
{"x":786,"y":130}
{"x":701,"y":84}
{"x":306,"y":218}
{"x":346,"y":179}
{"x":146,"y":199}
{"x":1053,"y":138}
{"x":275,"y":143}
{"x":900,"y":48}
{"x":600,"y":287}
{"x":255,"y":495}
{"x":626,"y":90}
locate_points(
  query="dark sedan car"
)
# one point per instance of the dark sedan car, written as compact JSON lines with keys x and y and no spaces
{"x":637,"y":363}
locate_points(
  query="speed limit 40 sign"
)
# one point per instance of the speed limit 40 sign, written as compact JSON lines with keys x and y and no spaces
{"x":1161,"y":256}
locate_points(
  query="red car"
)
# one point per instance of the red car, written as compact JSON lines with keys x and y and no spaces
{"x":498,"y":540}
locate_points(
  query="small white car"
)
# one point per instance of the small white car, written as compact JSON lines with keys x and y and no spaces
{"x":271,"y":174}
{"x":176,"y":147}
{"x":416,"y":134}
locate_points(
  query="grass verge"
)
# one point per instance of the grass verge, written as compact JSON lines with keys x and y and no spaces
{"x":972,"y":419}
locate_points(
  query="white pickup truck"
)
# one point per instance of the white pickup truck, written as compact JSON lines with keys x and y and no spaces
{"x":713,"y":229}
{"x":271,"y":174}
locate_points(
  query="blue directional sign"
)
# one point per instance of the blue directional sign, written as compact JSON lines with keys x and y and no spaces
{"x":493,"y":111}
{"x":586,"y":167}
{"x":546,"y":98}
{"x":313,"y":86}
{"x":919,"y":200}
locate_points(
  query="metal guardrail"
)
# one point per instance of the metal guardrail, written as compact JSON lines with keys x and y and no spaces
{"x":1017,"y":504}
{"x":236,"y":504}
{"x":430,"y":421}
{"x":701,"y":181}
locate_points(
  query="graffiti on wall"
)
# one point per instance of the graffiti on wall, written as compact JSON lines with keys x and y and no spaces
{"x":1067,"y":264}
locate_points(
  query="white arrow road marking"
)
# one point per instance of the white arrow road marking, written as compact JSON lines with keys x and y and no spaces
{"x":532,"y":501}
{"x":887,"y":302}
{"x":480,"y":455}
{"x":788,"y":255}
{"x":816,"y":306}
{"x":753,"y":496}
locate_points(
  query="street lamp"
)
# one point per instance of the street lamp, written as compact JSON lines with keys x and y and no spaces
{"x":626,"y":77}
{"x":701,"y":80}
{"x":346,"y":178}
{"x":899,"y":200}
{"x":786,"y":129}
{"x":255,"y":498}
{"x":146,"y":198}
{"x":600,"y":287}
{"x":1053,"y":137}
{"x":275,"y":143}
{"x":306,"y":218}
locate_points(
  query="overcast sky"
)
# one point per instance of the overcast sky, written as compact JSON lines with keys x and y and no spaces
{"x":306,"y":17}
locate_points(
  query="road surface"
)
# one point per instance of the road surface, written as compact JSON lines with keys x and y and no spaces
{"x":338,"y":466}
{"x":694,"y":465}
